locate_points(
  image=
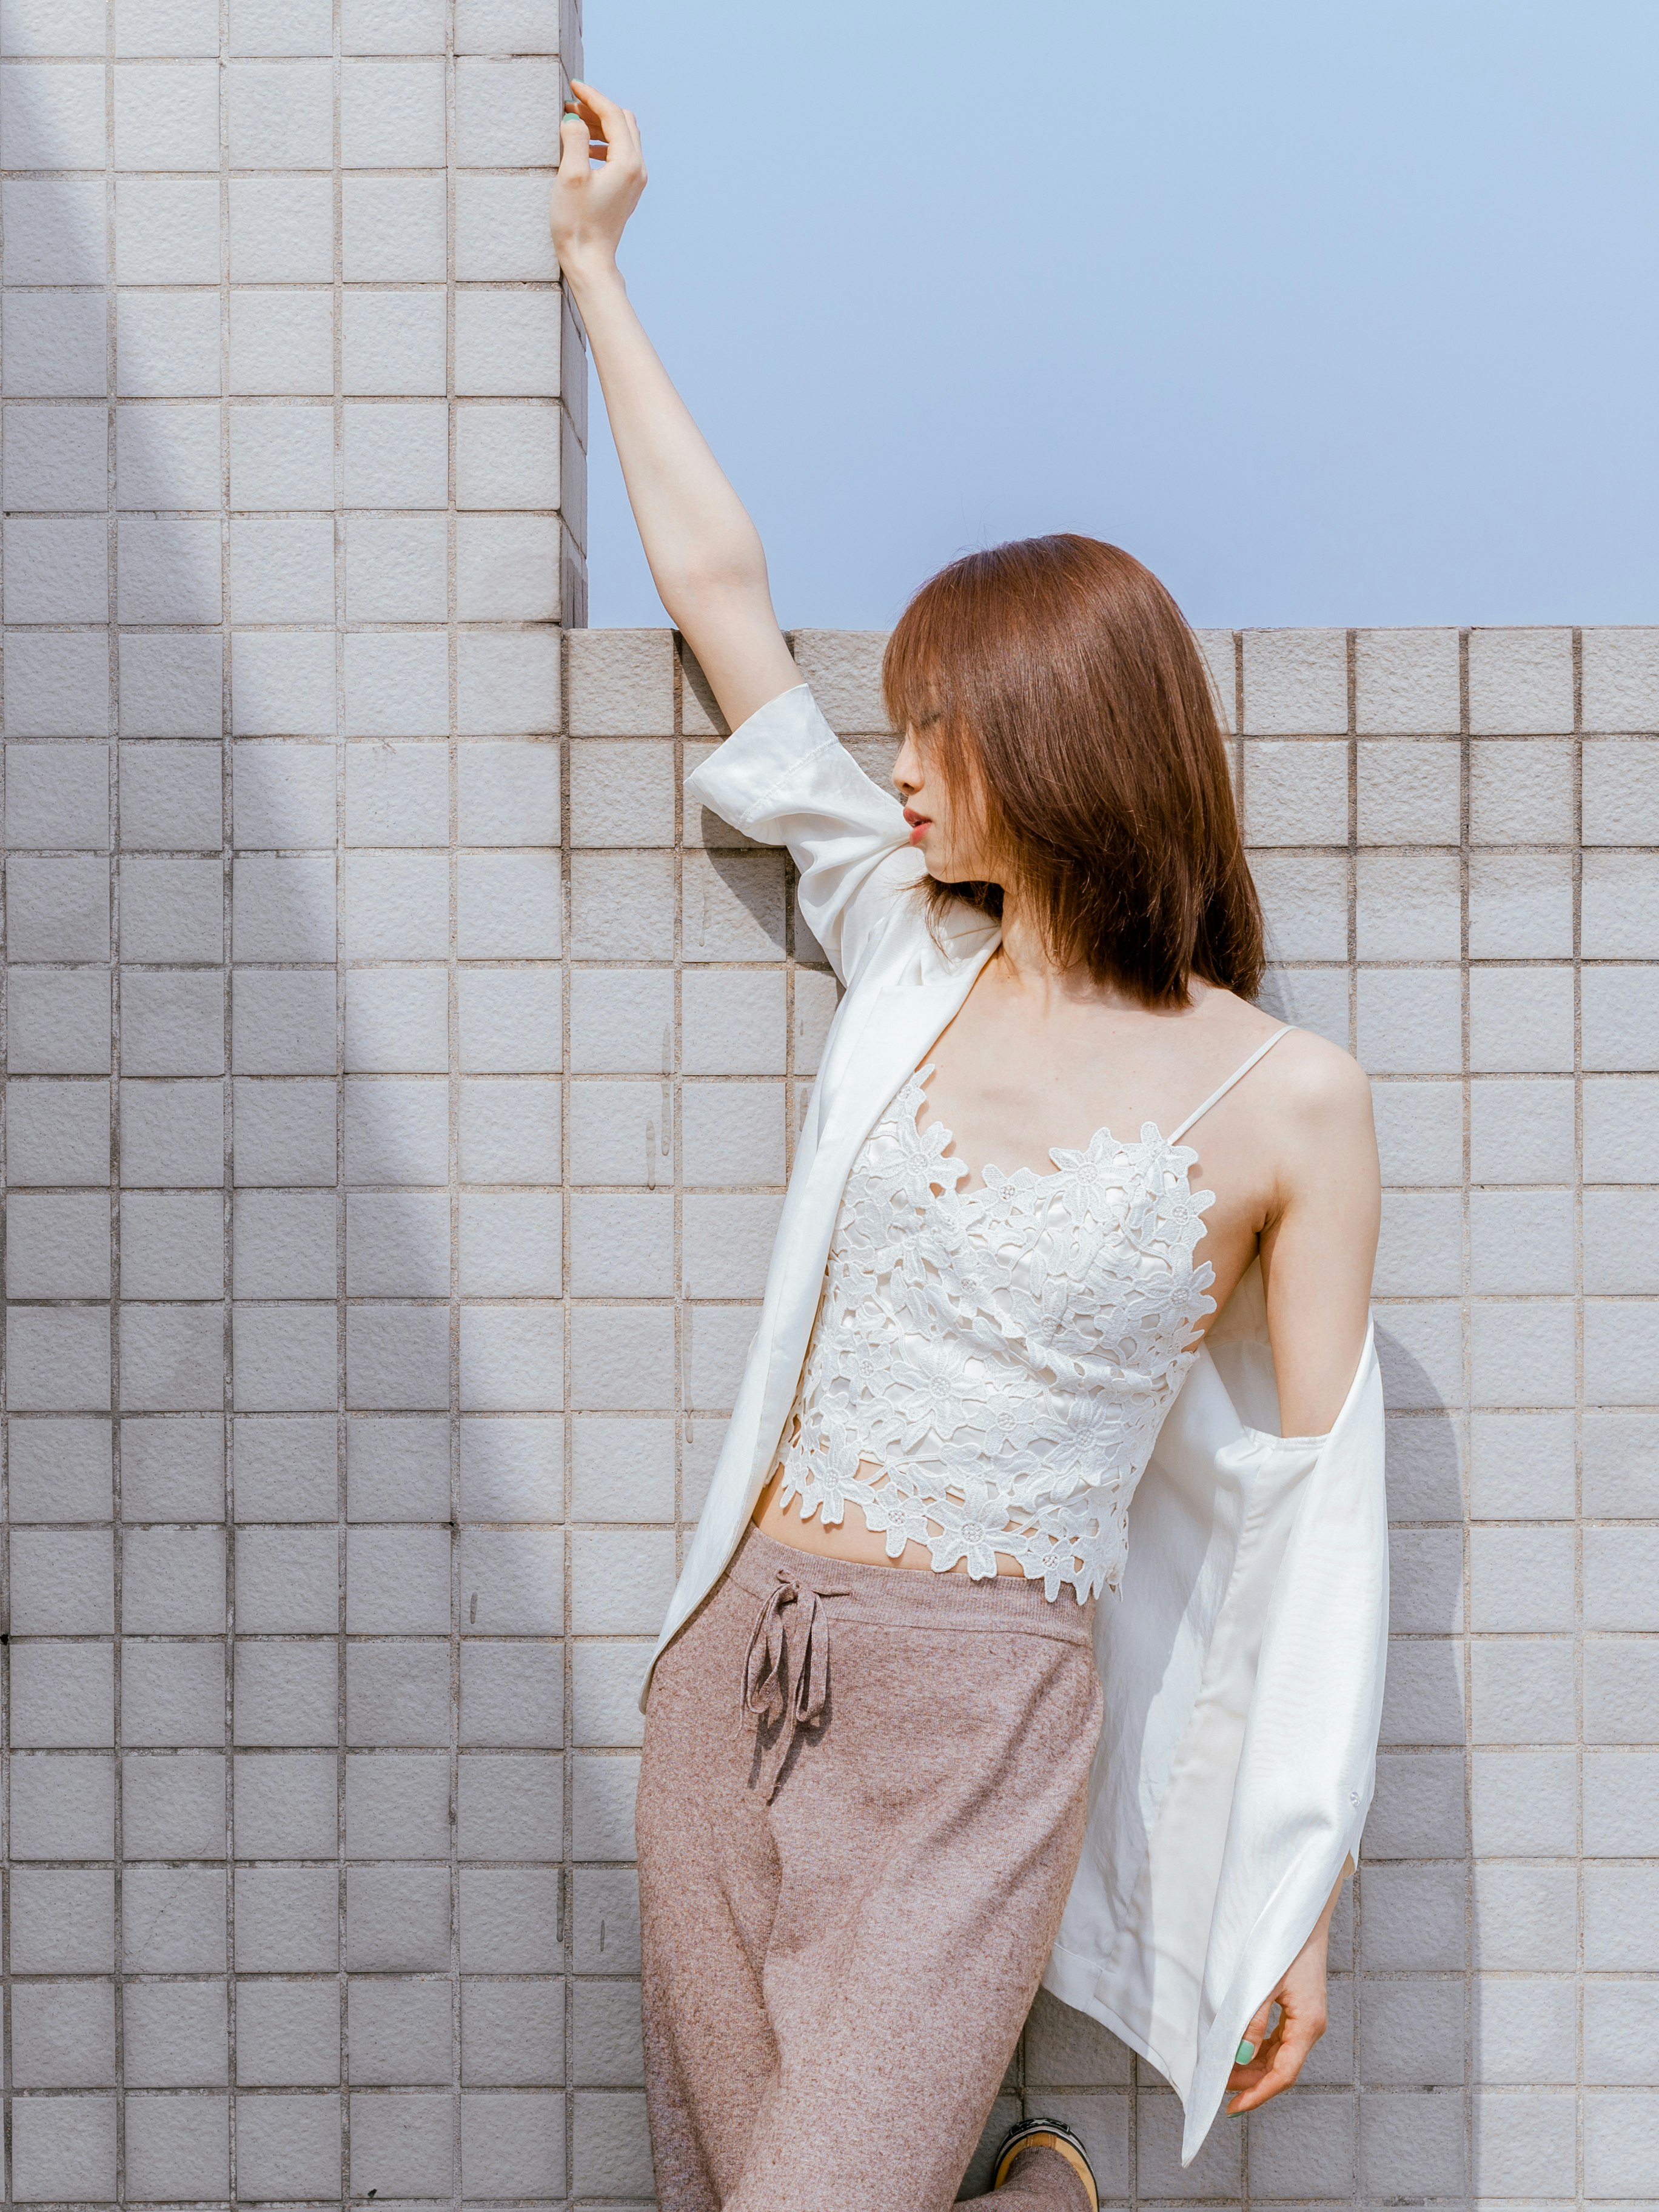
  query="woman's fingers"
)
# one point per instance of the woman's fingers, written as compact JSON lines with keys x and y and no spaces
{"x":1255,"y":2033}
{"x":615,"y":119}
{"x":1285,"y":2053}
{"x":578,"y":110}
{"x":614,"y":123}
{"x":1254,"y":2057}
{"x":1280,"y":2055}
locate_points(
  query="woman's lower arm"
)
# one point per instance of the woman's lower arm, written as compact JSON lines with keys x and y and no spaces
{"x":692,"y":522}
{"x":705,"y":554}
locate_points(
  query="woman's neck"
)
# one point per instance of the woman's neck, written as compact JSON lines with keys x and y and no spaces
{"x":1025,"y":968}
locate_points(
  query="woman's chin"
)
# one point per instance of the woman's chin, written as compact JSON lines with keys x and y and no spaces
{"x":948,"y":868}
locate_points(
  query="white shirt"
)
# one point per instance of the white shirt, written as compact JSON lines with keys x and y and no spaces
{"x":1242,"y":1664}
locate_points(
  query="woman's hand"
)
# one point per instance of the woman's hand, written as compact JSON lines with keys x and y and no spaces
{"x":1280,"y":2055}
{"x":592,"y":201}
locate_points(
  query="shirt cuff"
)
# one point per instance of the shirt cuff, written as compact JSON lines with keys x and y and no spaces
{"x":740,"y":775}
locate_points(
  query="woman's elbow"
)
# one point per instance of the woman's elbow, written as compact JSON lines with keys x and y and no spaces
{"x":711,"y":590}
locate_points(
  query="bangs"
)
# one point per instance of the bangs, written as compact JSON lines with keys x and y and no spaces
{"x":1058,"y":692}
{"x":912,"y":672}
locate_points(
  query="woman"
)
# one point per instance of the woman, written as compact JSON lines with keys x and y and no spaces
{"x":877,"y":1805}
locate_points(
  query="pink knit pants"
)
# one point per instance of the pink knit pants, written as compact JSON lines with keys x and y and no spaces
{"x":860,"y":1808}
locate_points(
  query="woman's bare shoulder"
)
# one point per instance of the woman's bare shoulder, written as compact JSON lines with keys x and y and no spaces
{"x":1318,"y":1078}
{"x":1307,"y":1086}
{"x":1321,"y":1099}
{"x":1304,"y":1073}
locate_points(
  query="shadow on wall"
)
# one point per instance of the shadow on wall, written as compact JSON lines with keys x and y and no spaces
{"x":338,"y":848}
{"x":1413,"y":1941}
{"x":1464,"y":2051}
{"x":292,"y":908}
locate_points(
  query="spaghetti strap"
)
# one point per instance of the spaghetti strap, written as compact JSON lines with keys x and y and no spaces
{"x":1237,"y":1075}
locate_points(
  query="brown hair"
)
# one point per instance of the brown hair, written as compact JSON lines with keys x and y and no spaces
{"x":1076,"y":713}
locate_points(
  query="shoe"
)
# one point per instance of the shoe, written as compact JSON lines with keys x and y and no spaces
{"x":1046,"y":2135}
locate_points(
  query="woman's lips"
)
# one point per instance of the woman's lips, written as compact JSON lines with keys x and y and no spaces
{"x":920,"y":825}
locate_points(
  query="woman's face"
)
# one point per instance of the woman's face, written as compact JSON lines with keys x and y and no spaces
{"x":948,"y":833}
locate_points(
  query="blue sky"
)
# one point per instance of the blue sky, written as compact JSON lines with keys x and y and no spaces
{"x":1335,"y":313}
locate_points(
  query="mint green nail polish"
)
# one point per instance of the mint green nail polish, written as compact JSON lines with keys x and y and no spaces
{"x":1246,"y":2052}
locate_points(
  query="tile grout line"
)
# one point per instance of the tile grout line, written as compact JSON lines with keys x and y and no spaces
{"x":114,"y":724}
{"x":1465,"y":1644}
{"x":1577,"y":863}
{"x":456,"y":1170}
{"x":226,"y":1424}
{"x":340,"y":1209}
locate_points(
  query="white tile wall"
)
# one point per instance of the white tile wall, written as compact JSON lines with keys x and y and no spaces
{"x":401,"y":1089}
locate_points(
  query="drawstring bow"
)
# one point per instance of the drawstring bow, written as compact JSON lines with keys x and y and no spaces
{"x":785,"y":1672}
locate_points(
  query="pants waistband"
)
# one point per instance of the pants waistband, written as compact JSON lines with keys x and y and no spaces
{"x":912,"y":1597}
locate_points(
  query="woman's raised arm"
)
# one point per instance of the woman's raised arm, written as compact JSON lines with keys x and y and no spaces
{"x":704,"y":551}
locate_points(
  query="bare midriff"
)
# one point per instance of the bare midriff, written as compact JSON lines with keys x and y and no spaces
{"x":850,"y":1538}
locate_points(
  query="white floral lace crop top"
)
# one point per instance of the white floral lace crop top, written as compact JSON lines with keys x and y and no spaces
{"x":989,"y":1369}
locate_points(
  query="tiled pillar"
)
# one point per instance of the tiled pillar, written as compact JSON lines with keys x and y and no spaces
{"x":293,"y":482}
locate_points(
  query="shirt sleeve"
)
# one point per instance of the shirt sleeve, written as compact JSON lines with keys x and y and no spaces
{"x":784,"y":778}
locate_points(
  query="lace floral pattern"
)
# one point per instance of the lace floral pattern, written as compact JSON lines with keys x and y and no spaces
{"x":1005,"y":1356}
